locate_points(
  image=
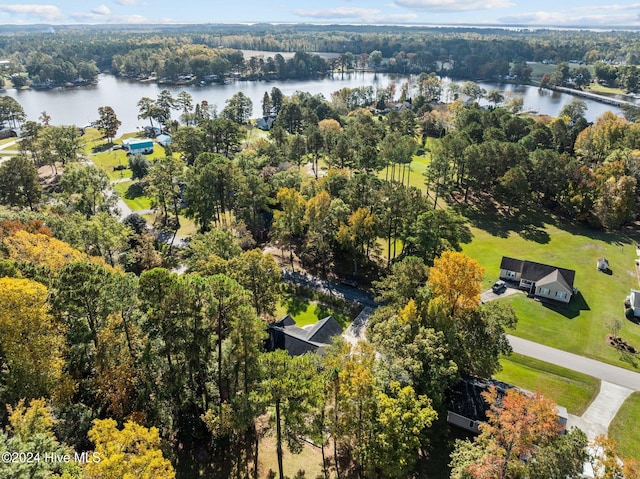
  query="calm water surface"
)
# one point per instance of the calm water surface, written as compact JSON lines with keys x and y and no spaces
{"x":79,"y":106}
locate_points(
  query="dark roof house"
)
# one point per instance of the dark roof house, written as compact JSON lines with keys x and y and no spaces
{"x":540,"y":280}
{"x":467,"y":408}
{"x":285,"y":334}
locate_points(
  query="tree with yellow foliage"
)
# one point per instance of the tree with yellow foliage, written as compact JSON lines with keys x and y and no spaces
{"x":41,"y":250}
{"x":132,"y":452}
{"x":456,"y":281}
{"x":32,"y":342}
{"x":30,"y":433}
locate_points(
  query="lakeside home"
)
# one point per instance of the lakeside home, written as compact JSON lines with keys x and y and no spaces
{"x":136,"y":146}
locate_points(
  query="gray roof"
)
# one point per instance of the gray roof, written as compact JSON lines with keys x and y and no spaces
{"x":285,"y":321}
{"x":532,"y":271}
{"x":324,"y":330}
{"x":555,"y":278}
{"x":285,"y":334}
{"x":465,"y":397}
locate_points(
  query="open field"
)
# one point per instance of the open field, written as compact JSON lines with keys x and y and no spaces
{"x":623,"y":428}
{"x":581,"y":326}
{"x":595,"y":87}
{"x":570,"y":389}
{"x":540,"y":69}
{"x":108,"y":160}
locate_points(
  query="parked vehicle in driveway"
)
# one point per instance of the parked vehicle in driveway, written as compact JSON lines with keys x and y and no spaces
{"x":499,"y":287}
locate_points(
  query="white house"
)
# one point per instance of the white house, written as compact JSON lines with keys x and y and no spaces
{"x":634,"y":301}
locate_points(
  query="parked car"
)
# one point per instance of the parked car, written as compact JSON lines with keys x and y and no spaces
{"x":349,"y":282}
{"x":499,"y":287}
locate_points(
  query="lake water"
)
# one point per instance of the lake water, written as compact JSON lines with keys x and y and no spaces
{"x":79,"y":106}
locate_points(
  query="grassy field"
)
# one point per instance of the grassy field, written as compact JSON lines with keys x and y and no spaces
{"x":4,"y":141}
{"x":595,"y":87}
{"x":623,"y":429}
{"x":108,"y":160}
{"x":306,"y":311}
{"x":570,"y":389}
{"x":582,"y":326}
{"x":540,"y":69}
{"x":133,"y":195}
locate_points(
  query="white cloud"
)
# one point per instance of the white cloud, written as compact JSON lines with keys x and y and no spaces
{"x":396,"y":18}
{"x":43,"y":12}
{"x":341,"y":12}
{"x":361,"y":15}
{"x":453,"y":5}
{"x":101,"y":10}
{"x":564,"y":19}
{"x":614,"y":7}
{"x":126,"y":2}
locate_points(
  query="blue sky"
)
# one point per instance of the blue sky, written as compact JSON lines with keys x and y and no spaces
{"x":568,"y":13}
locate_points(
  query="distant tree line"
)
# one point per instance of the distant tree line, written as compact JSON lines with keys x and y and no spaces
{"x":70,"y":56}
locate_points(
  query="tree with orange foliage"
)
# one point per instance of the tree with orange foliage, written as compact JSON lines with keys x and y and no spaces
{"x":521,"y":438}
{"x":9,"y":227}
{"x":456,"y":281}
{"x":605,"y":462}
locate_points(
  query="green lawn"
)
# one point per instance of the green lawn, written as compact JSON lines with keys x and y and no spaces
{"x":306,"y":311}
{"x":623,"y":429}
{"x":108,"y":160}
{"x":133,"y":195}
{"x":540,"y":69}
{"x":595,"y":87}
{"x":570,"y":389}
{"x":11,"y":139}
{"x":582,"y":326}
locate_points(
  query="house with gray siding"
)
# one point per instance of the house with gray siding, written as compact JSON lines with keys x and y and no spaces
{"x":540,"y":280}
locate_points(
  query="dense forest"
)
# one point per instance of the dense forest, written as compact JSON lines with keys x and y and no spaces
{"x":153,"y":358}
{"x":209,"y":53}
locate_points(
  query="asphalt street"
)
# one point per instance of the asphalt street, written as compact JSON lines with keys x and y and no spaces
{"x":597,"y":369}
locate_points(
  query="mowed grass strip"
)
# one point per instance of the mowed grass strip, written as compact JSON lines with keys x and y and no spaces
{"x":623,"y":428}
{"x":133,"y":195}
{"x":582,"y":326}
{"x":570,"y":389}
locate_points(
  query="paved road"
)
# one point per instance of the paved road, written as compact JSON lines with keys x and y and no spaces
{"x":328,"y":287}
{"x":597,"y":369}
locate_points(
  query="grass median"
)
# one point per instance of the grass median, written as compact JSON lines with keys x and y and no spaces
{"x":568,"y":388}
